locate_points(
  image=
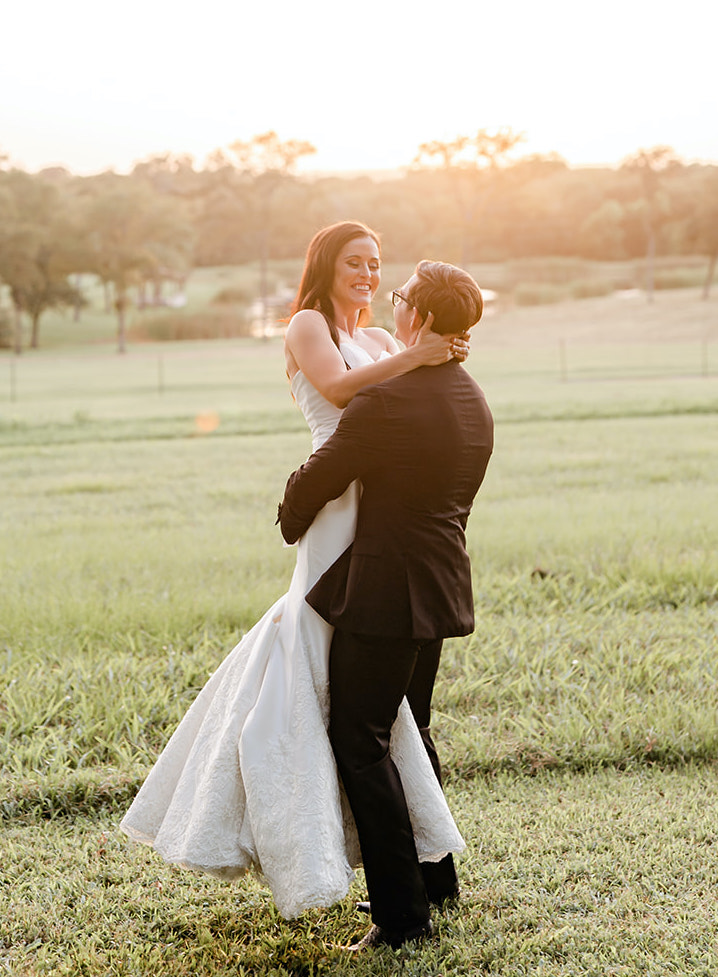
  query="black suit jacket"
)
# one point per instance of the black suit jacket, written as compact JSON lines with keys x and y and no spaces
{"x":420,"y":444}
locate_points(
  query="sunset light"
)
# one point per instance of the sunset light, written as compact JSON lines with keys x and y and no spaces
{"x":358,"y":422}
{"x":366,"y":84}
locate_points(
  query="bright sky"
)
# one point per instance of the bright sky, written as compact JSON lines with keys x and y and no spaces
{"x":92,"y":86}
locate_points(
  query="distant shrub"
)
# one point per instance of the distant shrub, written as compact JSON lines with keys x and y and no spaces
{"x":589,"y":288}
{"x":625,"y":282}
{"x":679,"y":278}
{"x":182,"y":326}
{"x":6,"y":331}
{"x":550,"y":270}
{"x":233,"y":296}
{"x":543,"y":293}
{"x":538,"y":293}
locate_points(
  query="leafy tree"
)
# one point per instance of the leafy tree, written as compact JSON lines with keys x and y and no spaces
{"x":134,"y":235}
{"x":224,"y":220}
{"x":702,"y":229}
{"x":268,"y":162}
{"x":469,"y":165}
{"x":653,"y":206}
{"x":171,"y":174}
{"x":602,"y":235}
{"x":16,"y":270}
{"x":36,"y":253}
{"x":542,"y":208}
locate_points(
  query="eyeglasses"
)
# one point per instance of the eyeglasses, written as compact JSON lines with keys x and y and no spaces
{"x":397,"y":297}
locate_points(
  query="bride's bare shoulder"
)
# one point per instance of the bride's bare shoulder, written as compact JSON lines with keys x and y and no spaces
{"x":306,"y":320}
{"x":309,"y":347}
{"x":307,"y":334}
{"x":383,"y":339}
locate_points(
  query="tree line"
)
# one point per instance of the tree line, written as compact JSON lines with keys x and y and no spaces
{"x":466,"y":200}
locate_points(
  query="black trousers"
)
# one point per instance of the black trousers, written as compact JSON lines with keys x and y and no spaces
{"x":368,"y":678}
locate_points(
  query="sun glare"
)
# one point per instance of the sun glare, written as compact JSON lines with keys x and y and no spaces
{"x":366,"y":86}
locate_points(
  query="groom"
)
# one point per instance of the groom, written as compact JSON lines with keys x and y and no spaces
{"x":420,"y":444}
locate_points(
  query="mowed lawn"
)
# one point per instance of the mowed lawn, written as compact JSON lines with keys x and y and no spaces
{"x":579,"y":723}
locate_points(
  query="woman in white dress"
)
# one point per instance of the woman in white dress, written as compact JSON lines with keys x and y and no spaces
{"x":248,"y":779}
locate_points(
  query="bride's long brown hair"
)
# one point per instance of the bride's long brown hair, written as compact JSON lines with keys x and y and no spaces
{"x":318,"y":274}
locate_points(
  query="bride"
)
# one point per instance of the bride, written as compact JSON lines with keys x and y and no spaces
{"x":248,"y":779}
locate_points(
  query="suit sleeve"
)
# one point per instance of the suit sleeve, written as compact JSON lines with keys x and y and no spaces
{"x":344,"y":457}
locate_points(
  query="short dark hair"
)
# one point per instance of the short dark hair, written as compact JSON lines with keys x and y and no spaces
{"x":318,"y":274}
{"x":450,"y":293}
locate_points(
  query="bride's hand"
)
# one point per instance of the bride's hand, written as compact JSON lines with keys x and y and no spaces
{"x":435,"y":348}
{"x":461,"y":346}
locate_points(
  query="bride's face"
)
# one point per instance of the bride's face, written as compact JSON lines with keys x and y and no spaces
{"x":357,"y":273}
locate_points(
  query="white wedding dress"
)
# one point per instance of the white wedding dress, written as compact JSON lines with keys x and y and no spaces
{"x":248,"y":779}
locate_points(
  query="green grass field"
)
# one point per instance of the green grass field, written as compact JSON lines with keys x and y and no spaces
{"x":578,"y":725}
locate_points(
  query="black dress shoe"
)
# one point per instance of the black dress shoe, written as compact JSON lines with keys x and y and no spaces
{"x":378,"y":936}
{"x":448,"y":899}
{"x":451,"y":897}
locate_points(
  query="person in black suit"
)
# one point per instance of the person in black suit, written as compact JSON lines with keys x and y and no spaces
{"x":420,"y":444}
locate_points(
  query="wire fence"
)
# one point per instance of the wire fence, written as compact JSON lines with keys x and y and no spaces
{"x":229,"y":366}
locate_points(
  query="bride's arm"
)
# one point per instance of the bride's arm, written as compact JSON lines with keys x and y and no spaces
{"x":309,"y":348}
